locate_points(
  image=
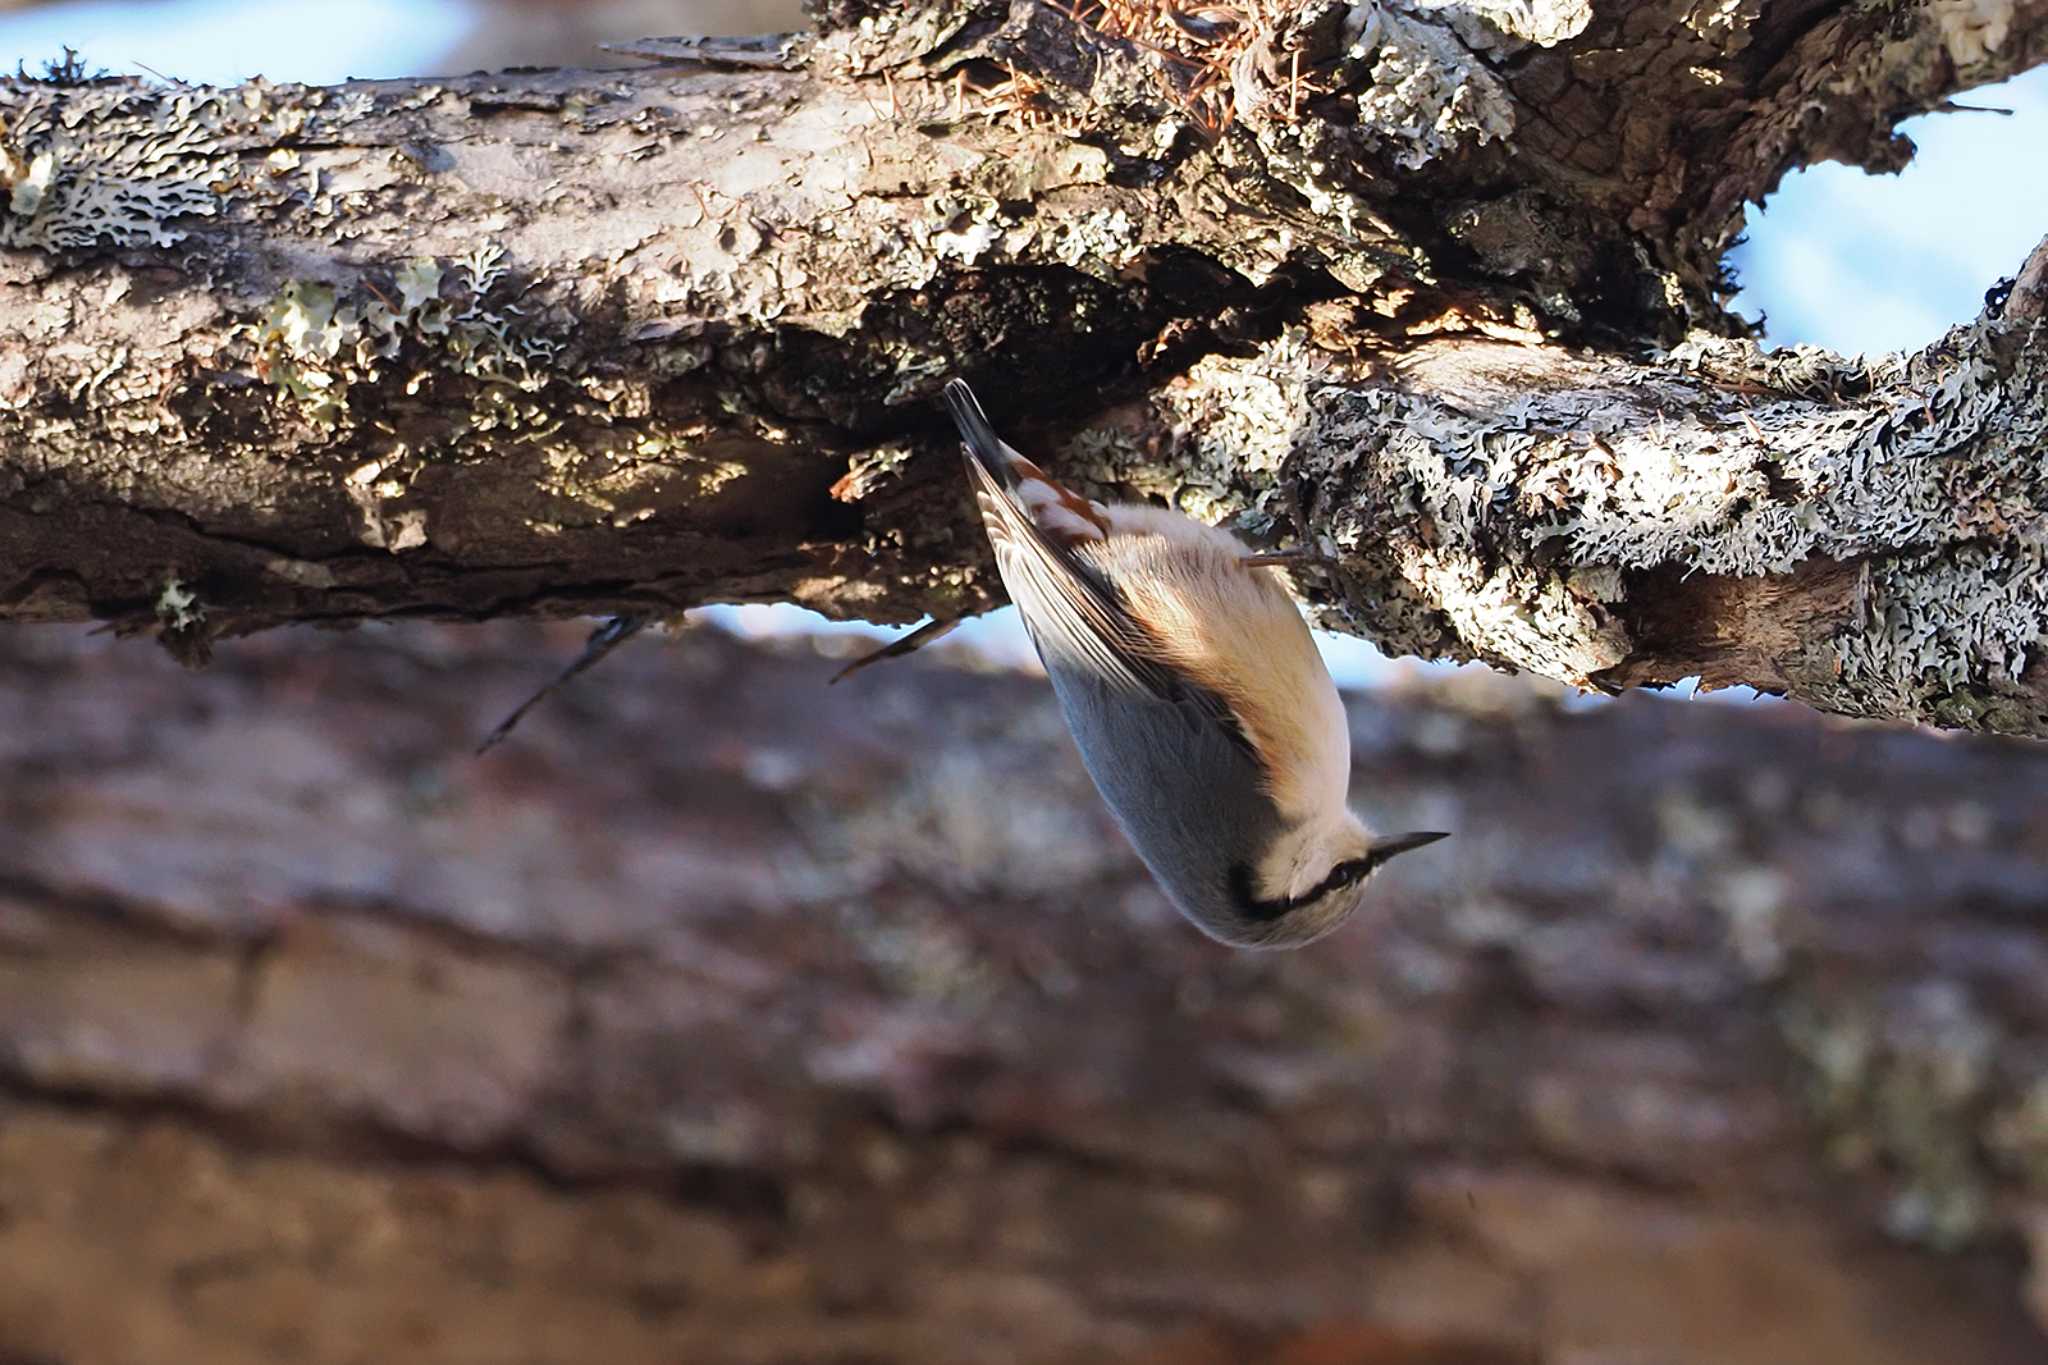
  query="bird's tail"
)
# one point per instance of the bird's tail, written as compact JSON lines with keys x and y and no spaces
{"x":983,"y":445}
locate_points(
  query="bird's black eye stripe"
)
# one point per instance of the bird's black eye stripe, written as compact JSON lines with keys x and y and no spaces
{"x":1343,"y":874}
{"x":1241,"y":896}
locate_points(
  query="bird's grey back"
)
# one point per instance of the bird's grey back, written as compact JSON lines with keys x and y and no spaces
{"x":1187,"y":795}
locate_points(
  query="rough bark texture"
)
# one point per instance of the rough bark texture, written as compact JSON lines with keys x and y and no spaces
{"x":724,"y":1019}
{"x":1443,"y":277}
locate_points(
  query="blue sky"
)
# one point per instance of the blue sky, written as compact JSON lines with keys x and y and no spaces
{"x":221,"y":42}
{"x":1837,"y":258}
{"x":1867,"y":263}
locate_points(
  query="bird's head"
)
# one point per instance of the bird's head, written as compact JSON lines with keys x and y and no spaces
{"x":1309,"y":881}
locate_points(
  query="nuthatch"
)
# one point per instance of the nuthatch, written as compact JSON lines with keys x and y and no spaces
{"x":1195,"y":693}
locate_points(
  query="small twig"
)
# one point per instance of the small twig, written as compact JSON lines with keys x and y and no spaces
{"x":1286,"y":559}
{"x":602,"y":641}
{"x":896,"y":649}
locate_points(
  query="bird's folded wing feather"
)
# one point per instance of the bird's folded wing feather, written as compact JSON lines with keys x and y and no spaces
{"x":1081,"y":621}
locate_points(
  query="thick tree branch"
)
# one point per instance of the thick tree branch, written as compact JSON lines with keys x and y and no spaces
{"x":567,"y":342}
{"x":1867,"y":538}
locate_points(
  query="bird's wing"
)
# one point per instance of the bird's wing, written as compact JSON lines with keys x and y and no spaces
{"x":1074,"y":614}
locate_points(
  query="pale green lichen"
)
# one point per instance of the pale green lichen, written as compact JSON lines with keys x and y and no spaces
{"x":297,"y":337}
{"x":1725,"y":25}
{"x":1956,"y":593}
{"x":1972,"y":30}
{"x":178,"y":607}
{"x":1457,"y":478}
{"x":1099,"y":241}
{"x":419,"y":284}
{"x":1935,"y":624}
{"x":963,"y":228}
{"x":1237,"y":416}
{"x":1926,"y":474}
{"x":314,"y":347}
{"x":877,"y":467}
{"x":108,"y":165}
{"x":1429,"y":95}
{"x":1899,"y":1086}
{"x":1229,"y":431}
{"x":31,"y":183}
{"x":1423,"y":95}
{"x":1503,"y":27}
{"x":1514,"y":612}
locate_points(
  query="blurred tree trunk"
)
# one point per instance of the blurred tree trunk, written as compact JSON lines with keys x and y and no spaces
{"x":724,"y":1019}
{"x":1443,"y":280}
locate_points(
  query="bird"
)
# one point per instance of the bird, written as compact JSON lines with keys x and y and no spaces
{"x":1202,"y":710}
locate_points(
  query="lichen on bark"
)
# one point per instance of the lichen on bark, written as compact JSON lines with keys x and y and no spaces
{"x":1449,"y":277}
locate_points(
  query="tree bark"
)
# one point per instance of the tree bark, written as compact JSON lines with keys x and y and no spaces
{"x":722,"y":1018}
{"x":1445,"y":279}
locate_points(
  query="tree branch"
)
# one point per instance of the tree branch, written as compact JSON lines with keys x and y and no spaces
{"x":568,"y":342}
{"x":1866,"y":538}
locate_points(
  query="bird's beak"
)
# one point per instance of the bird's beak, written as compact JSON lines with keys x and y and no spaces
{"x":1383,"y":849}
